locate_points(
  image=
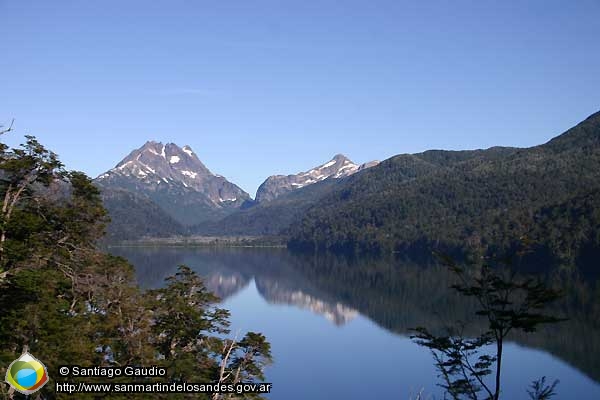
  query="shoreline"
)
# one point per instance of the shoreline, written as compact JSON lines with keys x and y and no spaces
{"x":205,"y":241}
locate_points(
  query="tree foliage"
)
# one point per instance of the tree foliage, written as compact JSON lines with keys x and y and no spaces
{"x":507,"y":302}
{"x":71,"y":304}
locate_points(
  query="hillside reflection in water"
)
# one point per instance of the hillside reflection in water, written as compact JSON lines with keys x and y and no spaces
{"x":361,"y":346}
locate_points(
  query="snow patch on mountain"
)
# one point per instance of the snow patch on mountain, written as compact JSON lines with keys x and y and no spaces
{"x":190,"y":174}
{"x":162,"y":170}
{"x":329,"y":164}
{"x":338,"y":167}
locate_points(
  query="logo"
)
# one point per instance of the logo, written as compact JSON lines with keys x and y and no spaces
{"x":26,"y":374}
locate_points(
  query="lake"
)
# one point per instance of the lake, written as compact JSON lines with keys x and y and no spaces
{"x":340,"y":328}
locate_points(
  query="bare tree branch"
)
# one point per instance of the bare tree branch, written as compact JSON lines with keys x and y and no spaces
{"x":2,"y":132}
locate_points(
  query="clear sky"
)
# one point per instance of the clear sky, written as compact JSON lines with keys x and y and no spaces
{"x":265,"y":87}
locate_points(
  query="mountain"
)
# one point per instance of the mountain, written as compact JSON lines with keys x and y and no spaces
{"x":134,"y":215}
{"x":278,"y":216}
{"x":338,"y":167}
{"x":446,"y":199}
{"x":269,"y":217}
{"x":175,"y":180}
{"x":282,"y":200}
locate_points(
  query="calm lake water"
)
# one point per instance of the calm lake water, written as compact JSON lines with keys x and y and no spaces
{"x":340,"y":329}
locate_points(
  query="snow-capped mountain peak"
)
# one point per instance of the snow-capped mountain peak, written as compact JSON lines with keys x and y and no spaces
{"x":156,"y":163}
{"x":339,"y":166}
{"x":173,"y":175}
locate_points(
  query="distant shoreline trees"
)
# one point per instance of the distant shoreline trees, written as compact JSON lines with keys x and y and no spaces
{"x":447,"y":200}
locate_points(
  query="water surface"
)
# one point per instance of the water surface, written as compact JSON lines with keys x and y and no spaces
{"x":340,"y":329}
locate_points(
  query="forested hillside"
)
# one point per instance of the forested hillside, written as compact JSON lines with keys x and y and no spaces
{"x":272,"y":217}
{"x":135,"y":215}
{"x":488,"y":198}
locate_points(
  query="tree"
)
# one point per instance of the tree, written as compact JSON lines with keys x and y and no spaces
{"x":507,"y":302}
{"x":69,"y":303}
{"x":184,"y":321}
{"x":21,"y":170}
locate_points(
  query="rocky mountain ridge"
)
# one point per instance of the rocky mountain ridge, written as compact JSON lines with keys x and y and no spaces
{"x":175,"y":179}
{"x":339,"y":166}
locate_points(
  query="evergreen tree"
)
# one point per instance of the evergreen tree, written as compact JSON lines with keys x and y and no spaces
{"x":70,"y":304}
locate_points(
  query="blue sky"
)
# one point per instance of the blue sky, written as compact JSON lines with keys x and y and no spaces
{"x":265,"y":87}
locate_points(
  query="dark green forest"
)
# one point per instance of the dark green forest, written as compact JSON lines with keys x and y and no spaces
{"x":271,"y":218}
{"x":489,"y":199}
{"x":448,"y":201}
{"x":135,"y":216}
{"x":68,"y":303}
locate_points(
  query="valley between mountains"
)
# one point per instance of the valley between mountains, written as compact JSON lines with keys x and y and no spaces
{"x":160,"y":190}
{"x":437,"y":199}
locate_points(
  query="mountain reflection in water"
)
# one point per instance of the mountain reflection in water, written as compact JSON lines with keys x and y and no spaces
{"x":395,"y":295}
